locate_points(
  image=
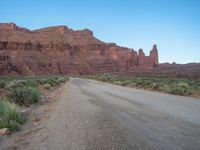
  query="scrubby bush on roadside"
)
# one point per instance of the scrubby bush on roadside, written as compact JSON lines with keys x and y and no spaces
{"x":33,"y":95}
{"x":47,"y":86}
{"x":20,"y":83}
{"x":181,"y":89}
{"x":154,"y":86}
{"x":138,"y":82}
{"x":2,"y":84}
{"x":10,"y":116}
{"x":21,"y":91}
{"x":164,"y":88}
{"x":117,"y":82}
{"x":169,"y":85}
{"x":24,"y":96}
{"x":103,"y":78}
{"x":125,"y":82}
{"x":61,"y":80}
{"x":25,"y":91}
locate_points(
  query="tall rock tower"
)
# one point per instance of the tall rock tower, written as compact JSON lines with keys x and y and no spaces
{"x":154,"y":55}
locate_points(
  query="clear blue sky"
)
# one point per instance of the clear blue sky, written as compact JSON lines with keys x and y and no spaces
{"x":174,"y":25}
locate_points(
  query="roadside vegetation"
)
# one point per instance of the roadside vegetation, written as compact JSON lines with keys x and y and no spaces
{"x":17,"y":93}
{"x":177,"y":86}
{"x":10,"y":115}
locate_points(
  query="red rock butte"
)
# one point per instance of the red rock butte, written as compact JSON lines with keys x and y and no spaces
{"x":61,"y":50}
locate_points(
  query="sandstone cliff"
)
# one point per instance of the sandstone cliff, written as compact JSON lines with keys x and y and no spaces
{"x":61,"y":50}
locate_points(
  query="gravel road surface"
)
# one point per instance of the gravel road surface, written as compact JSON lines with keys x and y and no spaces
{"x":92,"y":115}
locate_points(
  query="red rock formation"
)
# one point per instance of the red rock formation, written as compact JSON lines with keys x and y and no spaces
{"x":154,"y":55}
{"x":61,"y":50}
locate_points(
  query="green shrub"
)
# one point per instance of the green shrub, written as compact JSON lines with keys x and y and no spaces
{"x":17,"y":95}
{"x":53,"y":82}
{"x":138,"y":82}
{"x":117,"y":82}
{"x":24,"y":95}
{"x":154,"y":86}
{"x":183,"y":85}
{"x":103,"y":78}
{"x":2,"y":84}
{"x":61,"y":80}
{"x":147,"y":83}
{"x":33,"y":95}
{"x":181,"y":89}
{"x":10,"y":116}
{"x":125,"y":82}
{"x":22,"y":83}
{"x":161,"y":83}
{"x":164,"y":88}
{"x":177,"y":90}
{"x":47,"y":86}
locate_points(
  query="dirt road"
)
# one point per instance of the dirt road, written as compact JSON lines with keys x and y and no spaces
{"x":93,"y":115}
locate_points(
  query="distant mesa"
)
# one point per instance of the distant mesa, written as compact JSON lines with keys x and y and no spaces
{"x":61,"y":50}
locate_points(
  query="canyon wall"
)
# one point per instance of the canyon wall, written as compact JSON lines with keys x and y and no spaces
{"x":61,"y":50}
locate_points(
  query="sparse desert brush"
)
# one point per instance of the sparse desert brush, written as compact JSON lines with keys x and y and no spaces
{"x":17,"y":95}
{"x":61,"y":80}
{"x":2,"y":84}
{"x":10,"y":115}
{"x":147,"y":83}
{"x":24,"y":96}
{"x":103,"y":78}
{"x":164,"y":88}
{"x":21,"y":83}
{"x":47,"y":86}
{"x":169,"y":85}
{"x":181,"y":89}
{"x":126,"y":82}
{"x":183,"y":85}
{"x":52,"y":82}
{"x":24,"y":90}
{"x":154,"y":85}
{"x":138,"y":82}
{"x":33,"y":95}
{"x":117,"y":82}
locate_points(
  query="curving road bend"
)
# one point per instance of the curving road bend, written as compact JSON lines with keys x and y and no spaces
{"x":93,"y":115}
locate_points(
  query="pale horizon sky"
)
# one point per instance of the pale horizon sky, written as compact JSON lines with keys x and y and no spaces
{"x":174,"y":25}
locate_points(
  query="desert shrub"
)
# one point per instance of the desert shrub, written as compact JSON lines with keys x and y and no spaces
{"x":147,"y":83}
{"x":33,"y":95}
{"x":10,"y":116}
{"x":32,"y":83}
{"x":154,"y":86}
{"x":61,"y":80}
{"x":52,"y":82}
{"x":17,"y":95}
{"x":41,"y":81}
{"x":21,"y":83}
{"x":125,"y":82}
{"x":2,"y":84}
{"x":103,"y":78}
{"x":177,"y":90}
{"x":47,"y":86}
{"x":181,"y":89}
{"x":132,"y":84}
{"x":161,"y":83}
{"x":24,"y":95}
{"x":138,"y":82}
{"x":164,"y":88}
{"x":183,"y":85}
{"x":117,"y":82}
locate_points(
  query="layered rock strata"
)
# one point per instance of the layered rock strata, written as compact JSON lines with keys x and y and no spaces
{"x":61,"y":50}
